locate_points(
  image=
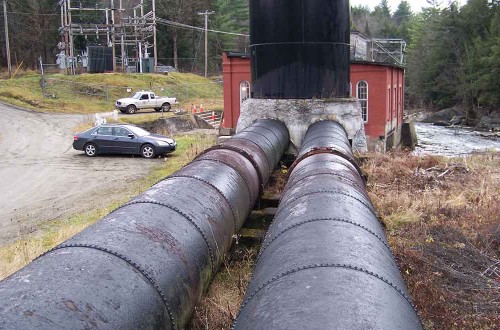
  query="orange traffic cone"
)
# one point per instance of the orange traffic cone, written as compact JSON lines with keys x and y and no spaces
{"x":193,"y":109}
{"x":201,"y":107}
{"x":213,"y":116}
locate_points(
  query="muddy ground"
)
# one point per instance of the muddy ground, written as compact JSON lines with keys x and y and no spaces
{"x":42,"y":177}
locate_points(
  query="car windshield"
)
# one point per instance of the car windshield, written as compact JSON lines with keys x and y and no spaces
{"x":138,"y":131}
{"x":137,"y":96}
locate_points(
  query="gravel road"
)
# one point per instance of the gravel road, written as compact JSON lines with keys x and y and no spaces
{"x":42,"y":177}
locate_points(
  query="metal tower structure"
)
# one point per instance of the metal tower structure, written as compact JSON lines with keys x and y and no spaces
{"x":133,"y":27}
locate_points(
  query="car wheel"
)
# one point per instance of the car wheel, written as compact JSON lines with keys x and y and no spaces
{"x":90,"y":150}
{"x":131,"y":109}
{"x":148,"y":151}
{"x":166,"y":107}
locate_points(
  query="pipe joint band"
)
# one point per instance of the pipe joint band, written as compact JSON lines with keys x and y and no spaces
{"x":208,"y":183}
{"x":270,"y":240}
{"x":285,"y":205}
{"x":252,"y":198}
{"x":327,"y":150}
{"x":188,"y":218}
{"x":136,"y":266}
{"x":245,"y":154}
{"x":324,"y":265}
{"x":341,"y":177}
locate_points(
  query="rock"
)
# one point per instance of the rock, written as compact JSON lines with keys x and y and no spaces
{"x":487,"y":134}
{"x":491,"y":121}
{"x":441,"y":123}
{"x":444,"y":116}
{"x":457,"y":120}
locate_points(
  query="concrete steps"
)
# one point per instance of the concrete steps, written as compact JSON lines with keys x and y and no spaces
{"x":212,"y":118}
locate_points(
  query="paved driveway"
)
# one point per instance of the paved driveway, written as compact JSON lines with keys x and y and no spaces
{"x":43,"y":178}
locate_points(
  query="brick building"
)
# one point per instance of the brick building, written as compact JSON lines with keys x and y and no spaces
{"x":377,"y":81}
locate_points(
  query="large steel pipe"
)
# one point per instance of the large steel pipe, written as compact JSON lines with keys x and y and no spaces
{"x":299,"y":48}
{"x":147,"y":263}
{"x":262,"y":144}
{"x":325,"y":262}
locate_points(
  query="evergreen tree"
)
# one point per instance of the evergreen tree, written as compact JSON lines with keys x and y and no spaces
{"x":359,"y":19}
{"x":403,"y":13}
{"x":485,"y":63}
{"x":386,"y":26}
{"x":231,"y":16}
{"x":454,"y":55}
{"x":383,"y":10}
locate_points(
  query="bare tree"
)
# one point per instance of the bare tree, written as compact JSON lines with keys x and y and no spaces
{"x":182,"y":11}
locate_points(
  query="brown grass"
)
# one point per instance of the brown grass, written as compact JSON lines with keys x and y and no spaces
{"x":442,"y":219}
{"x":443,"y":224}
{"x":221,"y":303}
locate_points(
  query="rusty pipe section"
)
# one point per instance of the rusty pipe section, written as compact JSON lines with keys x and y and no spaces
{"x":147,"y":263}
{"x":325,"y":262}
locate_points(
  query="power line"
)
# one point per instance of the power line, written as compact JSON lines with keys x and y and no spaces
{"x":31,"y":14}
{"x":196,"y":28}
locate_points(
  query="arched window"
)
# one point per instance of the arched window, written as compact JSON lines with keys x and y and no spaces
{"x":244,"y":91}
{"x":362,"y":95}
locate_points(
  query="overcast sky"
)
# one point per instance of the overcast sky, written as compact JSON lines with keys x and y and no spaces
{"x":416,"y":5}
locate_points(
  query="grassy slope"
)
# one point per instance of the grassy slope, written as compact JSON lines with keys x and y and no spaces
{"x":86,"y":93}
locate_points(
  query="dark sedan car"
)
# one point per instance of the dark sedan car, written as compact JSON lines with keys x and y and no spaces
{"x":122,"y":139}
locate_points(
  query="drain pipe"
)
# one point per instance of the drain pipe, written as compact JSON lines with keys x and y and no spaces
{"x":325,"y":262}
{"x":147,"y":263}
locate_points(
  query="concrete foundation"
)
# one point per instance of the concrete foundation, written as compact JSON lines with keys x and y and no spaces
{"x":299,"y":114}
{"x":409,"y":135}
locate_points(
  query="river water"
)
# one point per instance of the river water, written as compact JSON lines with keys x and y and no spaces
{"x":452,"y":141}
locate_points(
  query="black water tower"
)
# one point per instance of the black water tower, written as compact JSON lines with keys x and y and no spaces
{"x":299,"y":48}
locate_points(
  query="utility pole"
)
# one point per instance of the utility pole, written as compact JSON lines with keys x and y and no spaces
{"x":113,"y":38}
{"x":155,"y":52}
{"x":122,"y":38}
{"x":71,"y":50}
{"x":206,"y":13}
{"x":6,"y":24}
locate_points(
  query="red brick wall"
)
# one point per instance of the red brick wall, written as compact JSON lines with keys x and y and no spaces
{"x":376,"y":77}
{"x":385,"y":105}
{"x":234,"y":71}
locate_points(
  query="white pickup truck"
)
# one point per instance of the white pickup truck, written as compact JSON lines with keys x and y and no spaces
{"x":145,"y":100}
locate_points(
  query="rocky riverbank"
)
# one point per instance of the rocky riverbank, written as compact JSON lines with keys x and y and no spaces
{"x":487,"y":118}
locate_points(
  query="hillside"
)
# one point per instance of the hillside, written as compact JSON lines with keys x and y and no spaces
{"x":91,"y":93}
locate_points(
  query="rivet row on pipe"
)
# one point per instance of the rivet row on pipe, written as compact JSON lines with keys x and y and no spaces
{"x":325,"y":262}
{"x":147,"y":263}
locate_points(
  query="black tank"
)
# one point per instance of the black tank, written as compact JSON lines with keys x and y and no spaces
{"x":299,"y":48}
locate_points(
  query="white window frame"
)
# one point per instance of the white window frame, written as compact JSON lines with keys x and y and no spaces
{"x":361,"y":100}
{"x":244,"y":91}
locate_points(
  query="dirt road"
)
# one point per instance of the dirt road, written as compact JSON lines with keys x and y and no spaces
{"x":42,"y":177}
